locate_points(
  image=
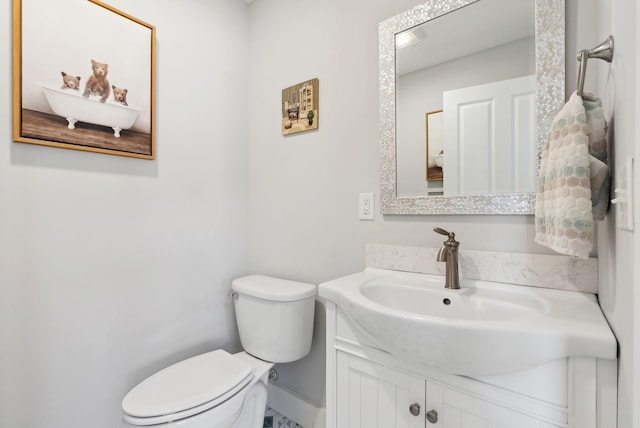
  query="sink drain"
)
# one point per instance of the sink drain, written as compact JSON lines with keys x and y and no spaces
{"x":446,"y":301}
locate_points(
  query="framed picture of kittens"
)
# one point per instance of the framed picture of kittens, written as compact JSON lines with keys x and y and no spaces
{"x":84,"y":92}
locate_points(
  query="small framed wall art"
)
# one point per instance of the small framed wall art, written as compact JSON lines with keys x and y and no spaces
{"x":434,"y":143}
{"x":300,"y":107}
{"x":94,"y":92}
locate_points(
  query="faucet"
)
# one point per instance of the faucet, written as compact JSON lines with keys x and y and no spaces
{"x":449,"y":254}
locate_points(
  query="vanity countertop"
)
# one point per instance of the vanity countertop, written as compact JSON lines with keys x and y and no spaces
{"x":485,"y":328}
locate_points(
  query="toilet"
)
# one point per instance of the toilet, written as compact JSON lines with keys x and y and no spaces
{"x":222,"y":390}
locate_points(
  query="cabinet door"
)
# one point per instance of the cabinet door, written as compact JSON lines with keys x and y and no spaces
{"x":373,"y":396}
{"x":457,"y":409}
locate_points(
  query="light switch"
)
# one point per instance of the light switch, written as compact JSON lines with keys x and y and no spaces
{"x":623,"y":196}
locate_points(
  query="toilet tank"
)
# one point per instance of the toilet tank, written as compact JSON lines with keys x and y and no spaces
{"x":274,"y":317}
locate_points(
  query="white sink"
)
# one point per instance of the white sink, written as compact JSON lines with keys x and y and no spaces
{"x":427,"y":296}
{"x":483,"y":329}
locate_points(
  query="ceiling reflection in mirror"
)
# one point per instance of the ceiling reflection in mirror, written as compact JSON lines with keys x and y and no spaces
{"x":467,"y":91}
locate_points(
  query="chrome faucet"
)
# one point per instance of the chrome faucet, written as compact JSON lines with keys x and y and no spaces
{"x":449,"y":254}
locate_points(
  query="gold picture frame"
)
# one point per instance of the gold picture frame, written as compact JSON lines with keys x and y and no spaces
{"x":434,"y":142}
{"x":94,"y":93}
{"x":300,"y":111}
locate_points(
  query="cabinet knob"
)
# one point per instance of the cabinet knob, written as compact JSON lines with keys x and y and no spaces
{"x":432,"y":416}
{"x":414,"y":409}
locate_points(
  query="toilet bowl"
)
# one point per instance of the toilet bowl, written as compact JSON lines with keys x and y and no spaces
{"x":221,"y":390}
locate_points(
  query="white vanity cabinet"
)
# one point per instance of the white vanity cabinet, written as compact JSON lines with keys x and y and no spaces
{"x":372,"y":395}
{"x":369,"y":388}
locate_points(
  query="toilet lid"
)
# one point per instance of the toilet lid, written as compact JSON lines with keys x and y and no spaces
{"x":188,"y":384}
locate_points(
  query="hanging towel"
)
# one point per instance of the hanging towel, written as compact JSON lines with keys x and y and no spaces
{"x":563,"y":213}
{"x":597,"y":128}
{"x":599,"y":171}
{"x":600,"y":187}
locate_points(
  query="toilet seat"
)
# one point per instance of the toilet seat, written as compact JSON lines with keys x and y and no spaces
{"x":187,"y":388}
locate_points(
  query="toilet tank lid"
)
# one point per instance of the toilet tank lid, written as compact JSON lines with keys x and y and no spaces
{"x":274,"y":289}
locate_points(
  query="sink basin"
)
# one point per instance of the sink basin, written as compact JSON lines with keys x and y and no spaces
{"x":427,"y":297}
{"x":483,"y":329}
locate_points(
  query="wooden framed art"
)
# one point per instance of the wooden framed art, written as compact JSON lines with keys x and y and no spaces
{"x":83,"y":78}
{"x":434,"y":141}
{"x":300,"y":107}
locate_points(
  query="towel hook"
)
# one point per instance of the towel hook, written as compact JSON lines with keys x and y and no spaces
{"x":603,"y":51}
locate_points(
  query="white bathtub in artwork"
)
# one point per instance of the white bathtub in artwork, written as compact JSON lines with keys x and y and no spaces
{"x":71,"y":105}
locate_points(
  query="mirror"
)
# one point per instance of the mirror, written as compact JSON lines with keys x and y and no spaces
{"x":466,"y":98}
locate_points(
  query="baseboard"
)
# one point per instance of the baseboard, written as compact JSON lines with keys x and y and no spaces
{"x":295,"y":407}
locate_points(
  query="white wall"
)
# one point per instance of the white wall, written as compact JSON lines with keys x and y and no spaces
{"x":304,"y":188}
{"x":112,"y":267}
{"x":619,"y":249}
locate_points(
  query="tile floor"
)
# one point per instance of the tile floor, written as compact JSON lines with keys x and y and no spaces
{"x":273,"y":419}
